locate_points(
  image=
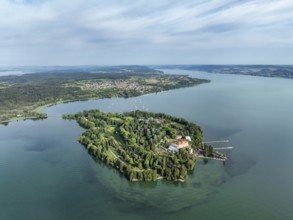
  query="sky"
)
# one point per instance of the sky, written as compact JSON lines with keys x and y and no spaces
{"x":142,"y":32}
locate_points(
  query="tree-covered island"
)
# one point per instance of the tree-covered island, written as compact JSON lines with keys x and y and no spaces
{"x":144,"y":146}
{"x":21,"y":96}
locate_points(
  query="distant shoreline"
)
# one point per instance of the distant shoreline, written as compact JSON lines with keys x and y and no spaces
{"x":271,"y":71}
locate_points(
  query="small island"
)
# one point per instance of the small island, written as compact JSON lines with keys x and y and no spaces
{"x":144,"y":146}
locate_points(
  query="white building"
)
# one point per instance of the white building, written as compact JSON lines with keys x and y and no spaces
{"x":173,"y":148}
{"x":188,"y":138}
{"x":190,"y":150}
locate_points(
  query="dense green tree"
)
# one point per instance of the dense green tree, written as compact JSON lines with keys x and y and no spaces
{"x":137,"y":143}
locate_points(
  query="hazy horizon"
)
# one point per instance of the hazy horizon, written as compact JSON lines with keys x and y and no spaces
{"x":161,"y":32}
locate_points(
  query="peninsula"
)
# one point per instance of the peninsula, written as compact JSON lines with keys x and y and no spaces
{"x":280,"y":71}
{"x":144,"y":146}
{"x":22,"y":96}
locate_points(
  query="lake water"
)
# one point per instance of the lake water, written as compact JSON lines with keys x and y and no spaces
{"x":46,"y":174}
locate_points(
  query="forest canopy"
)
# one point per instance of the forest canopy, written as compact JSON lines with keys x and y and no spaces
{"x":137,"y":143}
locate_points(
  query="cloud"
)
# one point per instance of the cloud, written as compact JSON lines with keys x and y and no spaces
{"x":94,"y":27}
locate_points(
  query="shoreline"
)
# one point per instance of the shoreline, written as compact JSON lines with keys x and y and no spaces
{"x":39,"y":109}
{"x":33,"y":108}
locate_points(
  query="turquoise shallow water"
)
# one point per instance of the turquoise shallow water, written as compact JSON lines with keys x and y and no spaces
{"x":46,"y":174}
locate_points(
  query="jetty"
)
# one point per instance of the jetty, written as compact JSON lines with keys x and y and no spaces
{"x":223,"y":148}
{"x":214,"y":155}
{"x":212,"y":158}
{"x":212,"y":142}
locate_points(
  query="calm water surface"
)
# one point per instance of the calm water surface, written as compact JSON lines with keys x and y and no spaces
{"x":46,"y":174}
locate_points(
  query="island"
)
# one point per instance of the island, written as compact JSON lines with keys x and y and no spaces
{"x":143,"y":146}
{"x":23,"y":96}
